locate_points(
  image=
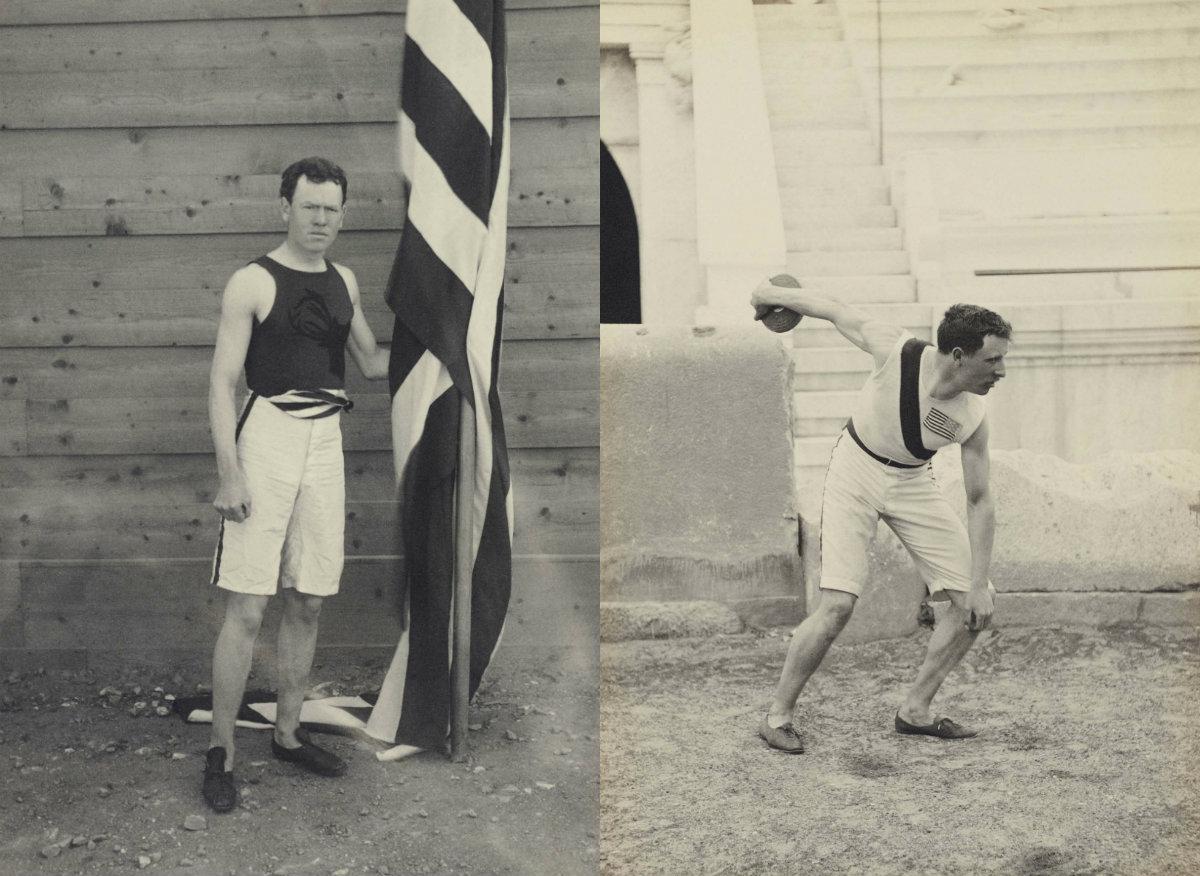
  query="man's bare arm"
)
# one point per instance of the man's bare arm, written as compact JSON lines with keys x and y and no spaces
{"x":870,"y":336}
{"x":229,"y":358}
{"x":981,"y":521}
{"x":370,"y":358}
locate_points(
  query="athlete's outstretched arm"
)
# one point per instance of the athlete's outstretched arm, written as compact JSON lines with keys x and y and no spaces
{"x":981,"y":522}
{"x":869,"y":335}
{"x":371,"y":358}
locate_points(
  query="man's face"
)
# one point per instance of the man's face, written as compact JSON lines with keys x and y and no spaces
{"x":314,"y":215}
{"x":983,"y":369}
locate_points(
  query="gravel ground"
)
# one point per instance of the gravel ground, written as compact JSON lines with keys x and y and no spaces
{"x":89,"y":788}
{"x":1087,"y":764}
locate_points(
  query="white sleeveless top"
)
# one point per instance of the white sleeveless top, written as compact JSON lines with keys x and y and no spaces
{"x":877,"y":410}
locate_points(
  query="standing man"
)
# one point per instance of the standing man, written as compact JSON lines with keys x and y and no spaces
{"x":918,"y":399}
{"x":287,"y":318}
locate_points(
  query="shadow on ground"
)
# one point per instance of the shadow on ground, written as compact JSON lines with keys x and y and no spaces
{"x":1088,"y":762}
{"x":89,"y":788}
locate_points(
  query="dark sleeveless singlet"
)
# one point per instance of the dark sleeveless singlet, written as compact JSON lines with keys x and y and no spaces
{"x":302,"y":342}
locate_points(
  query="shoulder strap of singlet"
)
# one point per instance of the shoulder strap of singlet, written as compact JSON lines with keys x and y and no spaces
{"x":910,"y":397}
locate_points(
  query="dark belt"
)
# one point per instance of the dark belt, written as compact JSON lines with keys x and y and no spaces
{"x":875,"y":456}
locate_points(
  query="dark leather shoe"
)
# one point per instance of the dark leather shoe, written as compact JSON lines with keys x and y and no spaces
{"x":312,"y":757}
{"x":220,"y":793}
{"x":943,"y":728}
{"x":785,"y":738}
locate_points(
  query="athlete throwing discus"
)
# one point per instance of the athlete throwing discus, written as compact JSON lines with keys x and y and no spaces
{"x":918,"y":399}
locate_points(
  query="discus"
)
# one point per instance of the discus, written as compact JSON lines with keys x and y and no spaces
{"x":777,"y":318}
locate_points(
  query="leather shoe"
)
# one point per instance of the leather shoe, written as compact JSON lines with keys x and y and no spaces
{"x":785,"y":738}
{"x":220,"y":793}
{"x":312,"y":757}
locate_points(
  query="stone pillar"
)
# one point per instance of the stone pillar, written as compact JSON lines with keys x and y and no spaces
{"x":667,"y":199}
{"x":739,"y":219}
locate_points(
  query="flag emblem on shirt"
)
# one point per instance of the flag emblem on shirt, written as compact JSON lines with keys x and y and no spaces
{"x":446,"y":289}
{"x":940,"y":424}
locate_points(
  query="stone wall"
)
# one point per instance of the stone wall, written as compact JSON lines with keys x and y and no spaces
{"x":697,"y":458}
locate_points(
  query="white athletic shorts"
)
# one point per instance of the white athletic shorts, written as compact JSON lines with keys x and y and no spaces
{"x":295,"y":534}
{"x":858,"y":492}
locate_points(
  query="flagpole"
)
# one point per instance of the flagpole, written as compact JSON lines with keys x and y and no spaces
{"x":460,"y":682}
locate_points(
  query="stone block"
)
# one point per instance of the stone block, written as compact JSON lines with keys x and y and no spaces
{"x":696,"y":462}
{"x":622,"y":621}
{"x":1066,"y":609}
{"x":1124,"y":522}
{"x":1170,"y":609}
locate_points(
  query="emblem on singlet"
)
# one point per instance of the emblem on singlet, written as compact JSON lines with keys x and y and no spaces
{"x":939,"y":424}
{"x":311,"y":317}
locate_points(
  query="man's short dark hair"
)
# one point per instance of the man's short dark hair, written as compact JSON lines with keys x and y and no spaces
{"x":316,"y":170}
{"x":966,"y":325}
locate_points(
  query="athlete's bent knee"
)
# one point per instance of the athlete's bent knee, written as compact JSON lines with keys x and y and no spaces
{"x":836,"y":607}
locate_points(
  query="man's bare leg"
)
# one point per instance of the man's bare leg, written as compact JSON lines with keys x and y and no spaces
{"x":231,"y":665}
{"x":948,"y":644}
{"x":810,"y":642}
{"x":297,"y":644}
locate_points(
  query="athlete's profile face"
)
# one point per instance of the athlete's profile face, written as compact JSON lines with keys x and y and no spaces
{"x":314,"y":215}
{"x":984,"y":368}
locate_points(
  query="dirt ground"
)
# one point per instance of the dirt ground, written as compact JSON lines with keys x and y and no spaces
{"x":1089,"y":761}
{"x":88,"y":788}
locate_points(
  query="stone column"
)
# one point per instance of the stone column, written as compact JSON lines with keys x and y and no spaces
{"x":739,"y":220}
{"x":667,"y":200}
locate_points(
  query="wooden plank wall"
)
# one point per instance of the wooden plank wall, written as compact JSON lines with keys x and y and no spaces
{"x":140,"y":147}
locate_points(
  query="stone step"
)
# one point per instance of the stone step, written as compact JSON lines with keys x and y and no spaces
{"x":896,"y":143}
{"x":859,"y":20}
{"x":886,"y":288}
{"x":839,"y":113}
{"x":860,"y":192}
{"x":1039,"y":114}
{"x":787,"y":36}
{"x":841,"y":214}
{"x":969,"y":78}
{"x":907,"y":7}
{"x":785,"y":93}
{"x":800,"y":57}
{"x":1109,"y":286}
{"x":983,"y":112}
{"x":823,"y":413}
{"x":847,"y":146}
{"x":840,"y":369}
{"x":781,"y":13}
{"x":824,"y":238}
{"x":817,"y":333}
{"x":848,"y":263}
{"x":813,"y":452}
{"x":1027,"y":48}
{"x":826,"y":78}
{"x":824,"y":176}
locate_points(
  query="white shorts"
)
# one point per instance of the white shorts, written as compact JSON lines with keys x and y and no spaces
{"x":858,"y":492}
{"x":295,"y":534}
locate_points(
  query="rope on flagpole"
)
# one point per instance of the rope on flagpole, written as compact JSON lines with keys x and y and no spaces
{"x":460,"y":682}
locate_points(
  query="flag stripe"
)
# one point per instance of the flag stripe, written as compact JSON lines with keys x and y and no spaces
{"x":464,"y":146}
{"x":440,"y":290}
{"x":452,"y":42}
{"x":480,"y":15}
{"x":451,"y":230}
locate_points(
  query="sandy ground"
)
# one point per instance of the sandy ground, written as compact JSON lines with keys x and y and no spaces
{"x":1089,"y":761}
{"x":88,"y":788}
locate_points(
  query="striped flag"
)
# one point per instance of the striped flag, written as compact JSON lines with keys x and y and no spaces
{"x":446,"y":289}
{"x":940,"y":424}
